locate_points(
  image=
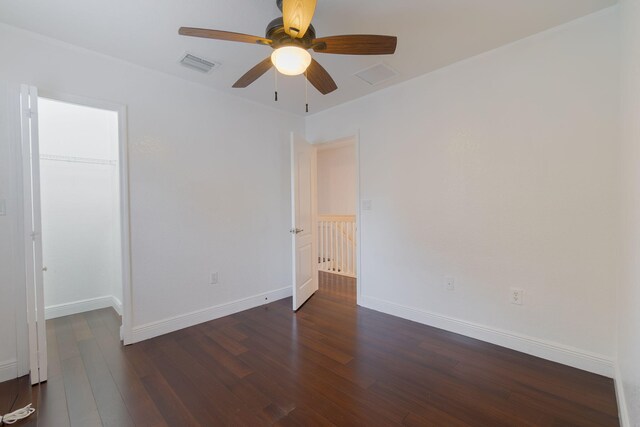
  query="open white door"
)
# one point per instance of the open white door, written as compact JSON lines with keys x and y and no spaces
{"x":303,"y":220}
{"x":33,"y":234}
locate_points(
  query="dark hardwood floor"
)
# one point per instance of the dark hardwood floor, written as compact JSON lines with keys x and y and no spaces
{"x":332,"y":363}
{"x":337,"y":287}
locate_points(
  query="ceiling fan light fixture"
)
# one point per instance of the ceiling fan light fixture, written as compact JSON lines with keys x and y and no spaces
{"x":291,"y":60}
{"x":293,"y":36}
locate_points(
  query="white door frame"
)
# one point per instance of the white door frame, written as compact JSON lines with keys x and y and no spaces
{"x":343,"y":141}
{"x":126,"y":330}
{"x":21,"y":312}
{"x":33,"y":233}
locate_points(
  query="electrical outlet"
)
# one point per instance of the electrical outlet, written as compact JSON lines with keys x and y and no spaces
{"x":450,"y":284}
{"x":214,"y":278}
{"x":517,"y":296}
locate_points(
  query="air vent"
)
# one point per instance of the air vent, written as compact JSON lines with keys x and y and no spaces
{"x":198,"y":64}
{"x":377,"y":74}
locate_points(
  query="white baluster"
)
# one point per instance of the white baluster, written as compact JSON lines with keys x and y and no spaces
{"x":330,"y":245}
{"x":319,"y":245}
{"x":327,"y":245}
{"x":342,"y":247}
{"x":324,"y":246}
{"x":335,"y":233}
{"x":350,"y":248}
{"x":339,"y":231}
{"x":325,"y":251}
{"x":347,"y":269}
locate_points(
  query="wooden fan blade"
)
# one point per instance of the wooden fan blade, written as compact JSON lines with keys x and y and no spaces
{"x":253,"y":74}
{"x":223,"y":35}
{"x":320,"y":78}
{"x":356,"y":44}
{"x":297,"y":16}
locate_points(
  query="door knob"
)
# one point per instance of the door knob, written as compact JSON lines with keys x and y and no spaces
{"x":296,"y":230}
{"x":44,"y":268}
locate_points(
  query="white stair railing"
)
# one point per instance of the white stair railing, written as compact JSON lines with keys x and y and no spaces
{"x":337,"y":244}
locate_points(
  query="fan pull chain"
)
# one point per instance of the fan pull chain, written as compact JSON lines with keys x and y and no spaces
{"x":306,"y":91}
{"x":276,"y":74}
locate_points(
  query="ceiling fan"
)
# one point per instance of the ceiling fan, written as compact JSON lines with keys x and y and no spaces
{"x":291,"y":37}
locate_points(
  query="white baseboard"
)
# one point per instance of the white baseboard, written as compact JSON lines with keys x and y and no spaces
{"x":8,"y":370}
{"x":67,"y":309}
{"x":548,"y":350}
{"x":116,"y":304}
{"x":161,"y":327}
{"x":623,"y":412}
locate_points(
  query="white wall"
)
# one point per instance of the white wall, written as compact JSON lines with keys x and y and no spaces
{"x":80,"y":207}
{"x":499,"y":171}
{"x":628,"y":327}
{"x":209,"y":180}
{"x":337,"y":180}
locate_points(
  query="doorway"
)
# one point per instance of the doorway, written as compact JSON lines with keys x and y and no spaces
{"x":75,"y":215}
{"x":79,"y":191}
{"x":337,"y":201}
{"x":326,"y":240}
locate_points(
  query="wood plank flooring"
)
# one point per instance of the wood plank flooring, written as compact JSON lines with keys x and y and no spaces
{"x":332,"y":363}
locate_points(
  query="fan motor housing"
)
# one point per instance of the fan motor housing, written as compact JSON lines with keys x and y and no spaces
{"x":275,"y":31}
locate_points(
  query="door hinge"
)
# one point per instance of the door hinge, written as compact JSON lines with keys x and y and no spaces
{"x":30,"y":113}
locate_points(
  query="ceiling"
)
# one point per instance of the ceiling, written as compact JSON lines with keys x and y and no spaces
{"x":431,"y":34}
